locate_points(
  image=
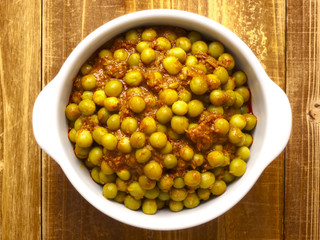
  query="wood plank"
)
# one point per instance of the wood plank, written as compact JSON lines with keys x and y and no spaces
{"x":66,"y":215}
{"x":20,"y":58}
{"x":302,"y":181}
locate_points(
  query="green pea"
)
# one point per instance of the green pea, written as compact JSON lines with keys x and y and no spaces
{"x":137,"y":140}
{"x":183,"y":43}
{"x":248,"y":140}
{"x":186,"y":153}
{"x":216,"y":158}
{"x":109,"y":191}
{"x":165,"y":183}
{"x":201,"y":67}
{"x":162,"y":128}
{"x":111,"y":104}
{"x":148,"y":125}
{"x":195,"y":108}
{"x":120,"y":54}
{"x":142,"y":45}
{"x":164,"y":196}
{"x":194,"y":36}
{"x":228,"y":177}
{"x":243,"y":152}
{"x":230,"y":98}
{"x":239,"y":102}
{"x":132,"y":36}
{"x":214,"y":109}
{"x":85,"y":69}
{"x":203,"y":194}
{"x":198,"y":159}
{"x":148,"y":55}
{"x":133,"y":78}
{"x":221,"y":126}
{"x":172,"y":65}
{"x":213,"y":81}
{"x":103,"y":115}
{"x":95,"y":174}
{"x":216,"y":49}
{"x":152,"y":193}
{"x":113,"y":122}
{"x":178,"y":182}
{"x":160,"y":203}
{"x":134,"y":59}
{"x":158,"y":139}
{"x":149,"y":206}
{"x":217,"y":97}
{"x":124,"y":145}
{"x":219,"y":187}
{"x":185,"y":95}
{"x":146,"y":183}
{"x":95,"y":156}
{"x":218,"y":147}
{"x":72,"y":111}
{"x":199,"y":85}
{"x":193,"y":125}
{"x":129,"y":125}
{"x":172,"y":134}
{"x":178,"y":194}
{"x":229,"y":85}
{"x":137,"y":104}
{"x":162,"y":44}
{"x":178,"y":53}
{"x":153,"y":170}
{"x":191,"y":201}
{"x":251,"y":121}
{"x":109,"y":141}
{"x":199,"y":47}
{"x":121,"y":184}
{"x":124,"y":174}
{"x":167,"y":148}
{"x":88,"y":82}
{"x":180,"y":108}
{"x":88,"y":164}
{"x":244,"y":92}
{"x":83,"y":138}
{"x":98,"y":97}
{"x":207,"y":179}
{"x":143,"y":155}
{"x":228,"y":60}
{"x":179,"y":124}
{"x":191,"y":61}
{"x":105,"y":168}
{"x":72,"y":135}
{"x":87,"y":95}
{"x":240,"y":78}
{"x":135,"y":190}
{"x":81,"y":152}
{"x":87,"y":107}
{"x":170,"y":161}
{"x":113,"y":88}
{"x":237,"y":167}
{"x":238,"y":121}
{"x":192,"y":178}
{"x":222,"y":74}
{"x":169,"y":96}
{"x":169,"y":35}
{"x":105,"y":53}
{"x":164,"y":114}
{"x":175,"y":206}
{"x":132,"y":203}
{"x":120,"y":197}
{"x":149,"y":34}
{"x":235,"y":135}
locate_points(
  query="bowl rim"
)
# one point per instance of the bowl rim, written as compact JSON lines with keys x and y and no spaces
{"x":91,"y":42}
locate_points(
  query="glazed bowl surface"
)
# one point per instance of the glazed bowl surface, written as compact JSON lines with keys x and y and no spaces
{"x":269,"y":104}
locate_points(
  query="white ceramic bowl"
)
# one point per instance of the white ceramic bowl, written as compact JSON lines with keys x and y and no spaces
{"x":270,"y":105}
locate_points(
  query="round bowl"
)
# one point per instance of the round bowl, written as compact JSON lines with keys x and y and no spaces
{"x":269,"y":103}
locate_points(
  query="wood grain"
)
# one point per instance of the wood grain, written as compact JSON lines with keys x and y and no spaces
{"x":302,"y":183}
{"x":20,"y":82}
{"x":66,"y":215}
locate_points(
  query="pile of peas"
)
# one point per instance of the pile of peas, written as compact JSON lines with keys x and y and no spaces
{"x":137,"y":117}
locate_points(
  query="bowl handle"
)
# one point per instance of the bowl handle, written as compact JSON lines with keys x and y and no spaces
{"x":279,"y":124}
{"x":44,"y":120}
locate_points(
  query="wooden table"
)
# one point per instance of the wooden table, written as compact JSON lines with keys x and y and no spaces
{"x":37,"y":199}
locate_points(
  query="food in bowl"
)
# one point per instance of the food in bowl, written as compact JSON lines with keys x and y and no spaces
{"x":161,"y":117}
